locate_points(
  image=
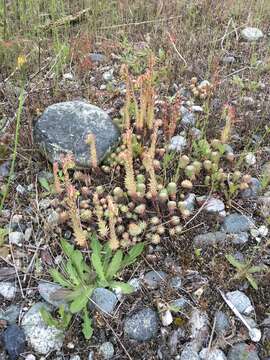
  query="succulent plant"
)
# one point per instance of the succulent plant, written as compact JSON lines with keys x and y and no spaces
{"x":187,"y":184}
{"x":155,"y":239}
{"x":140,"y":209}
{"x":163,"y":196}
{"x":184,"y":161}
{"x":172,"y":189}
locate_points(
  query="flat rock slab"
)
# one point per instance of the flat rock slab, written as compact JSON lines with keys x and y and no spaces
{"x":63,"y":128}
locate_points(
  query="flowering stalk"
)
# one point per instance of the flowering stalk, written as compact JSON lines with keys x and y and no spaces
{"x":79,"y":234}
{"x":113,"y":213}
{"x":91,"y":140}
{"x":57,"y":184}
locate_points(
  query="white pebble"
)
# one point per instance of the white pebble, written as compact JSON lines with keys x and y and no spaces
{"x":250,"y":159}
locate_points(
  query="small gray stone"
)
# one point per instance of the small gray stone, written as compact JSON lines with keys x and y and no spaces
{"x":240,"y":301}
{"x":251,"y":34}
{"x":68,"y":76}
{"x":46,"y":291}
{"x":135,"y":283}
{"x":176,"y":282}
{"x":16,"y":238}
{"x":14,"y":341}
{"x":142,"y":326}
{"x":188,"y":119}
{"x":238,"y":238}
{"x":96,"y":57}
{"x":4,"y":169}
{"x":175,"y":337}
{"x":190,"y":202}
{"x":8,"y":289}
{"x":228,"y":60}
{"x":184,"y":111}
{"x":104,"y":300}
{"x":91,"y":355}
{"x":180,"y":305}
{"x":21,"y":190}
{"x":242,"y":351}
{"x":199,"y":328}
{"x":108,"y":75}
{"x":10,"y":314}
{"x":44,"y":204}
{"x":209,"y":239}
{"x":253,"y":190}
{"x":53,"y":218}
{"x":204,"y":84}
{"x":40,"y":336}
{"x":177,"y":143}
{"x":196,"y":133}
{"x":222,"y":323}
{"x":63,"y":129}
{"x":153,"y":279}
{"x":188,"y":353}
{"x":30,"y":357}
{"x":250,"y":159}
{"x":107,"y":350}
{"x":28,"y":234}
{"x":214,"y":205}
{"x":197,"y":108}
{"x":236,"y":223}
{"x":213,"y":354}
{"x":75,"y":357}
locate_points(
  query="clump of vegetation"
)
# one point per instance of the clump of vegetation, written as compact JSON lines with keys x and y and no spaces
{"x":79,"y":280}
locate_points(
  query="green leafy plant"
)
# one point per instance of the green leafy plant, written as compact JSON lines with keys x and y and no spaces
{"x":79,"y":279}
{"x":44,"y":183}
{"x":244,"y":270}
{"x":63,"y":320}
{"x":3,"y":234}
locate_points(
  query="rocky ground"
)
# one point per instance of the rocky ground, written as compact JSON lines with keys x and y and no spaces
{"x":187,"y":302}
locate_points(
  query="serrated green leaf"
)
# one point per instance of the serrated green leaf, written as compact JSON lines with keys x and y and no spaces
{"x":3,"y":234}
{"x":72,"y":273}
{"x":96,"y":245}
{"x":67,"y":247}
{"x":132,"y":255}
{"x":259,"y":268}
{"x":45,"y":184}
{"x":59,"y":278}
{"x":106,"y":257}
{"x":234,"y":262}
{"x":87,"y":325}
{"x":97,"y":264}
{"x":79,"y":264}
{"x":47,"y":317}
{"x":81,"y":301}
{"x":124,"y":287}
{"x":252,"y":281}
{"x":114,"y":265}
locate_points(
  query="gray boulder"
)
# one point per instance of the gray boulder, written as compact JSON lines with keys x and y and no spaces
{"x":63,"y":129}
